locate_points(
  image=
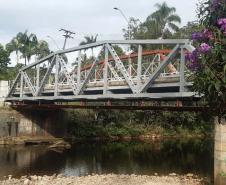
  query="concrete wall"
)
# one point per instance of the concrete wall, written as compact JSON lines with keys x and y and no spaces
{"x":220,"y":153}
{"x":29,"y":122}
{"x":32,"y":122}
{"x":4,"y":89}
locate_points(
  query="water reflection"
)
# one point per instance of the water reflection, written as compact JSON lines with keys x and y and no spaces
{"x":192,"y":156}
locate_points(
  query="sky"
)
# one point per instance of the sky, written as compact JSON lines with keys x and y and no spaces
{"x":84,"y":17}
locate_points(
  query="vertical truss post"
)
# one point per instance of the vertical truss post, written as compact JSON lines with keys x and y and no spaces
{"x":182,"y":64}
{"x":79,"y":68}
{"x":105,"y":70}
{"x":57,"y":65}
{"x":139,"y":67}
{"x":37,"y":76}
{"x":21,"y":85}
{"x":130,"y":66}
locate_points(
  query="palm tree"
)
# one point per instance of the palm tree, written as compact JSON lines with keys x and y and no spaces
{"x":42,"y":49}
{"x":165,"y":19}
{"x":89,"y":40}
{"x":28,"y":45}
{"x":14,"y":45}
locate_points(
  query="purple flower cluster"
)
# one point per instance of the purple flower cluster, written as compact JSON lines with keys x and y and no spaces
{"x":192,"y":60}
{"x":204,"y":48}
{"x":222,"y":23}
{"x":205,"y":35}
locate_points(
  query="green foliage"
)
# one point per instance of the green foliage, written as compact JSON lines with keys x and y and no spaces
{"x":161,"y":23}
{"x":109,"y":123}
{"x":4,"y":61}
{"x":27,"y":45}
{"x":186,"y":31}
{"x":210,"y":78}
{"x":89,"y":39}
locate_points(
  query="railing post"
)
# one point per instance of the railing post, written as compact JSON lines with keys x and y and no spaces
{"x":21,"y":85}
{"x":79,"y":69}
{"x":106,"y":70}
{"x":139,"y":67}
{"x":37,"y":76}
{"x":182,"y":64}
{"x":56,"y":77}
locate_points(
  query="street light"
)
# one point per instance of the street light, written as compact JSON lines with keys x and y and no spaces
{"x":126,"y":19}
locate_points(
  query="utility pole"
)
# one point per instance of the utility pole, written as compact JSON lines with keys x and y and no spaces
{"x":67,"y":35}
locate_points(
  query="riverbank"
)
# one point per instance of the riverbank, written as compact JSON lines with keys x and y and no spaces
{"x":109,"y":179}
{"x":44,"y":140}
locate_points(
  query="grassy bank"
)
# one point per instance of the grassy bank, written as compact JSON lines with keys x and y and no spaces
{"x":138,"y":124}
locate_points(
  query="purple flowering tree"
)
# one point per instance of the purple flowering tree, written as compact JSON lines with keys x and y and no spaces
{"x":208,"y":60}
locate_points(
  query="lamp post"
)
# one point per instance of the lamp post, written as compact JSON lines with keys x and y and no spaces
{"x":129,"y":34}
{"x":126,"y":19}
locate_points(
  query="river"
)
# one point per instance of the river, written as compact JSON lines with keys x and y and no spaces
{"x":162,"y":157}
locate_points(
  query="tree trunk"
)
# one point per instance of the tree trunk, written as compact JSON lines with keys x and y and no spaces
{"x":17,"y":57}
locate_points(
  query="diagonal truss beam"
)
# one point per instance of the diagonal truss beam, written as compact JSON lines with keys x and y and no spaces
{"x":43,"y":82}
{"x":12,"y":89}
{"x":28,"y":82}
{"x":122,"y":68}
{"x":159,"y":69}
{"x":91,"y":71}
{"x":68,"y":76}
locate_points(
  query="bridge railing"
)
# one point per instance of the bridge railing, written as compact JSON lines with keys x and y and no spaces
{"x":100,"y":69}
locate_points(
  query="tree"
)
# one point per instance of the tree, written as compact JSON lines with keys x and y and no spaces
{"x":208,"y":60}
{"x":42,"y":49}
{"x":186,"y":31}
{"x":28,"y":45}
{"x":4,"y":61}
{"x":160,"y":24}
{"x":89,"y":40}
{"x":165,"y":19}
{"x":14,"y":45}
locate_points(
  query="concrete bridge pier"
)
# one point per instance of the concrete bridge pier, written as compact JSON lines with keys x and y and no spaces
{"x":220,"y":153}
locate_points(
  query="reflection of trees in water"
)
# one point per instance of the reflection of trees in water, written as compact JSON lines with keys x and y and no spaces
{"x":142,"y":158}
{"x":194,"y":156}
{"x":15,"y":160}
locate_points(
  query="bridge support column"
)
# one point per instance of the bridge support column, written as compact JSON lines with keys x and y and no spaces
{"x":220,"y":153}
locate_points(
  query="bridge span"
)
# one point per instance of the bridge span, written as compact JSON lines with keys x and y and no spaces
{"x":155,"y":70}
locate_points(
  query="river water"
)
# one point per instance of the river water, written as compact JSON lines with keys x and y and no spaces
{"x":162,"y":157}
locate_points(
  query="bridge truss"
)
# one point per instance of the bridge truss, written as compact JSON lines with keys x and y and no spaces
{"x":144,"y":74}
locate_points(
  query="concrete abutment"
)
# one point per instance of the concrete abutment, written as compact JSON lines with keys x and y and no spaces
{"x":220,"y":153}
{"x":32,"y":123}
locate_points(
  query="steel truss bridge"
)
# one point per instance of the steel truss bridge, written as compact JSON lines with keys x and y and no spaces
{"x":145,"y":74}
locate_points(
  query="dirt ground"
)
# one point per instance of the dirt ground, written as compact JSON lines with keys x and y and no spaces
{"x":110,"y":179}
